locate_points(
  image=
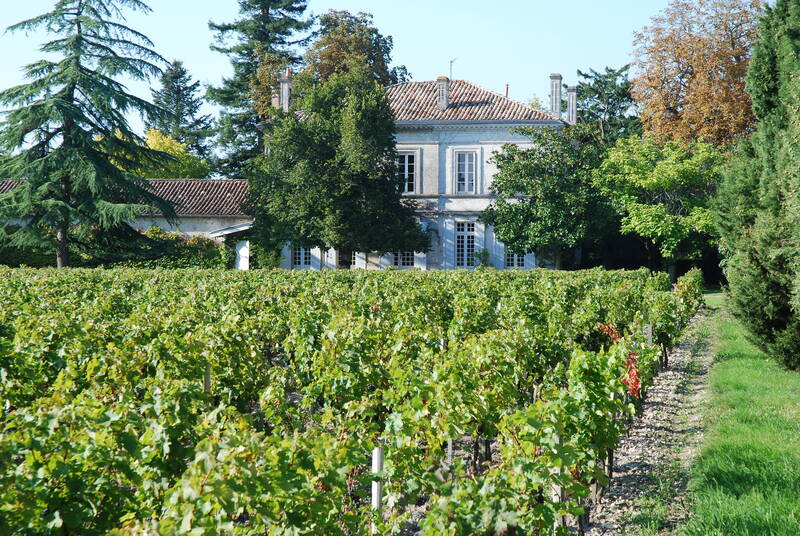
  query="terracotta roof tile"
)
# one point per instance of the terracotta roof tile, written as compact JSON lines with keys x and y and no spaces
{"x":416,"y":101}
{"x":203,"y":197}
{"x":192,"y":197}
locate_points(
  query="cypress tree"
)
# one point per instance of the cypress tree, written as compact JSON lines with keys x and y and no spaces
{"x":63,"y":126}
{"x":265,"y":26}
{"x":179,"y":96}
{"x":758,"y":204}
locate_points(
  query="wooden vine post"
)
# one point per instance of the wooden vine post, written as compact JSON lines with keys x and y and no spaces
{"x":207,"y":379}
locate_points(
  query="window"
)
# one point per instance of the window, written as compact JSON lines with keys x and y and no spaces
{"x":301,"y":257}
{"x":466,"y":172}
{"x":513,"y":260}
{"x":407,"y":171}
{"x":465,"y":244}
{"x":403,"y":259}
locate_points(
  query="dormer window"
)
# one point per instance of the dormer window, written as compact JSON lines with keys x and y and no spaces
{"x":466,"y":172}
{"x":407,"y":172}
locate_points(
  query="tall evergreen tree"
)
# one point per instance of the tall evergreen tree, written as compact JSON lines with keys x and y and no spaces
{"x":605,"y":100}
{"x":179,"y":96}
{"x":61,"y":128}
{"x":758,"y":204}
{"x":265,"y":26}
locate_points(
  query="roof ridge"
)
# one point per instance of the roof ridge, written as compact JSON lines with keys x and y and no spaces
{"x":405,"y":97}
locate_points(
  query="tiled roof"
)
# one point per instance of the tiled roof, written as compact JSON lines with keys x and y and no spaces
{"x":416,"y":101}
{"x":191,"y":197}
{"x":203,"y":197}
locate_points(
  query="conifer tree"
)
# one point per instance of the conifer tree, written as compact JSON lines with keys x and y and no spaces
{"x":62,"y":126}
{"x":265,"y":26}
{"x":605,"y":100}
{"x":179,"y":96}
{"x":758,"y":204}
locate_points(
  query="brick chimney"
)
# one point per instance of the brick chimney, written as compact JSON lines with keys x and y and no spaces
{"x":442,"y":92}
{"x":555,"y":95}
{"x":572,"y":104}
{"x":285,"y":96}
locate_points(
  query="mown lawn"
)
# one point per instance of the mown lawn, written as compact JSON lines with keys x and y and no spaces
{"x":746,"y":479}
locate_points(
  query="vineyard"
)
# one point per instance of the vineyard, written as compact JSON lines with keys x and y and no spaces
{"x":200,"y":402}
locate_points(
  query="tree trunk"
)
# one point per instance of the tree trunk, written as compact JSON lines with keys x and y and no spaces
{"x":672,"y":270}
{"x":62,"y":254}
{"x":557,"y":257}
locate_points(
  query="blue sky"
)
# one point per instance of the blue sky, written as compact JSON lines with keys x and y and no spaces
{"x":515,"y":42}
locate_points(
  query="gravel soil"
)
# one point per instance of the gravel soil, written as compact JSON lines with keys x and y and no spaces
{"x":648,"y":491}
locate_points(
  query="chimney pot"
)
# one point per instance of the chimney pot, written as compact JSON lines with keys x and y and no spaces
{"x":572,"y":104}
{"x":286,"y":90}
{"x":442,"y":92}
{"x":555,"y":95}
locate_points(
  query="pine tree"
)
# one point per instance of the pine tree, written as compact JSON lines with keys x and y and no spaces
{"x":758,"y":204}
{"x":62,"y":126}
{"x":266,"y":26}
{"x":179,"y":96}
{"x":605,"y":100}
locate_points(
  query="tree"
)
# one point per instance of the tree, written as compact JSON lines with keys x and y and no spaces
{"x":179,"y":96}
{"x":605,"y":101}
{"x":181,"y":165}
{"x":662,"y":190}
{"x":545,"y":199}
{"x":330,"y":177}
{"x":59,"y":128}
{"x":265,"y":26}
{"x":344,"y":37}
{"x":691,"y":64}
{"x":758,"y":206}
{"x":343,"y":41}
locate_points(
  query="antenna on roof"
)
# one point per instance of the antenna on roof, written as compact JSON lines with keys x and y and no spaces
{"x":451,"y":67}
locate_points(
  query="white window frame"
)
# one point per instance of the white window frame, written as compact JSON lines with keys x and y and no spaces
{"x":514,"y":260}
{"x":302,"y":258}
{"x":453,"y":154}
{"x":403,"y":171}
{"x":403,"y":259}
{"x":468,"y":230}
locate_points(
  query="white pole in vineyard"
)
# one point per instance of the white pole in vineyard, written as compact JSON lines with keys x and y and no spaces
{"x":377,"y":484}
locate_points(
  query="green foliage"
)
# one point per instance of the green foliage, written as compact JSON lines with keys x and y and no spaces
{"x":171,"y":250}
{"x":61,"y":128}
{"x":545,"y":199}
{"x":662,"y":190}
{"x":344,"y":38}
{"x":106,"y":425}
{"x":183,"y":165}
{"x":178,"y":95}
{"x":757,"y":205}
{"x":329,"y":179}
{"x":744,"y":479}
{"x":605,"y":101}
{"x":264,"y":26}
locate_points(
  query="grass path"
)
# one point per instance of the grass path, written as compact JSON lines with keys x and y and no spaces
{"x":746,"y":478}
